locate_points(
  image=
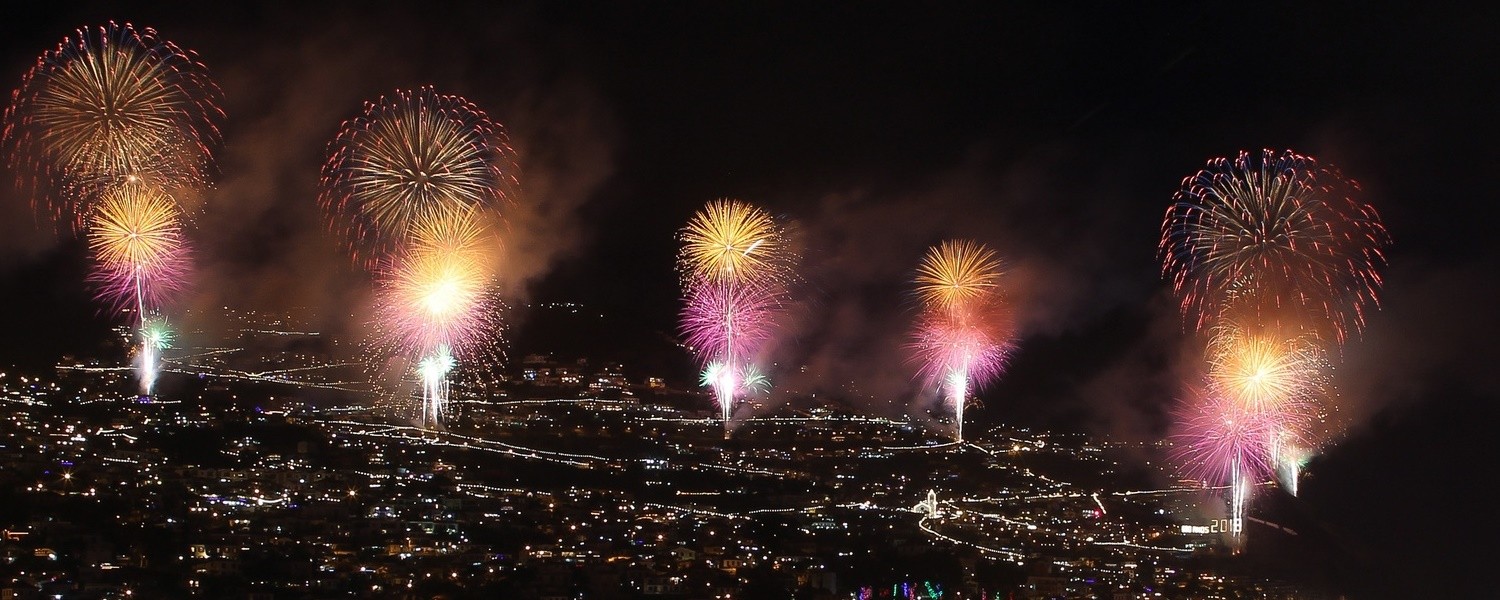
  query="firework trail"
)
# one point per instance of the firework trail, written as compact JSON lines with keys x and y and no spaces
{"x":729,"y":381}
{"x":108,"y":104}
{"x":734,"y":265}
{"x":411,"y":157}
{"x":964,"y":333}
{"x":414,"y":188}
{"x":1275,"y":239}
{"x":434,"y":370}
{"x":1223,"y":443}
{"x":752,"y":381}
{"x":140,"y":258}
{"x":955,"y":349}
{"x":156,"y":336}
{"x":1289,"y":460}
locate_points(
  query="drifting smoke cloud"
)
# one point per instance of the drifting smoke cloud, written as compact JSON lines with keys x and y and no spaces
{"x":1429,"y":339}
{"x":564,"y":137}
{"x":263,"y":244}
{"x":1433,"y":335}
{"x":1132,"y":395}
{"x":22,"y":237}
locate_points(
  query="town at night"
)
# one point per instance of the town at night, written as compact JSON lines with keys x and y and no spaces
{"x":724,"y":301}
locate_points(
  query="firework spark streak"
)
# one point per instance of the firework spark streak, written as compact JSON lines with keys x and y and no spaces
{"x":140,"y":258}
{"x":731,"y":242}
{"x":964,"y":333}
{"x":734,"y":267}
{"x":1274,"y":238}
{"x":411,"y":157}
{"x":1223,"y":443}
{"x":111,"y":103}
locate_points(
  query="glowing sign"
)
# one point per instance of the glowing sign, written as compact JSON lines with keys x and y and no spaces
{"x":1214,"y":526}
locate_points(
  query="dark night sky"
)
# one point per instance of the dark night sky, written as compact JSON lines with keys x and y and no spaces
{"x":1056,"y":135}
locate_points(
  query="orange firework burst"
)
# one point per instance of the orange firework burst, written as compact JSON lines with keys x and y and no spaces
{"x":114,"y":103}
{"x":439,"y":286}
{"x":731,"y":241}
{"x":1264,"y":371}
{"x":957,"y":273}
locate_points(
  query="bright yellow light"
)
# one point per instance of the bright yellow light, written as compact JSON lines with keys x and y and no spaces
{"x":447,"y":268}
{"x":135,"y":228}
{"x":1261,"y":371}
{"x":730,"y":240}
{"x":443,"y":296}
{"x":957,"y":272}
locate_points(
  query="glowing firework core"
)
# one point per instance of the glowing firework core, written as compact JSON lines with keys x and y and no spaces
{"x":437,"y":291}
{"x":1262,"y":371}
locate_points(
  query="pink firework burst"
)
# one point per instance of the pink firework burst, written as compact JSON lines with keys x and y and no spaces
{"x":972,"y":343}
{"x":427,"y":307}
{"x":1221,"y":441}
{"x":728,"y":320}
{"x":122,"y":287}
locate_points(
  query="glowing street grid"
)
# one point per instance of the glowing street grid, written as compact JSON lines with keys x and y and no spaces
{"x":629,"y":491}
